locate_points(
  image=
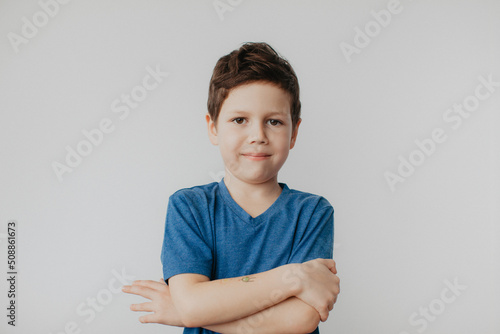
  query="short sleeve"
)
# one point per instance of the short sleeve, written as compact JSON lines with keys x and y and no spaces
{"x":316,"y":239}
{"x":185,"y":248}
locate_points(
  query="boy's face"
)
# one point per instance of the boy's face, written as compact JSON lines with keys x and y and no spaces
{"x":254,"y":131}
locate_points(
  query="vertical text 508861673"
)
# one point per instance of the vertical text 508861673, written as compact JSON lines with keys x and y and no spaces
{"x":11,"y":272}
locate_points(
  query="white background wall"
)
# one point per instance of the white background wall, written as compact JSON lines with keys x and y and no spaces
{"x":394,"y":249}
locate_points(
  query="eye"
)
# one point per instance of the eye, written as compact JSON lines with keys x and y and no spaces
{"x":275,"y":122}
{"x":238,"y":120}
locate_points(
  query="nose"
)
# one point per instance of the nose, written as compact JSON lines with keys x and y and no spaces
{"x":257,"y":134}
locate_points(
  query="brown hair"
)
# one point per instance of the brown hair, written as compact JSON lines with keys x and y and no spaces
{"x":252,"y":62}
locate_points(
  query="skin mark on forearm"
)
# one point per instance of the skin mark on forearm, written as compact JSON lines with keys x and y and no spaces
{"x":247,"y":279}
{"x":244,"y":279}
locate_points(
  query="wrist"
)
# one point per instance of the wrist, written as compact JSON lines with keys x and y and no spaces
{"x":291,"y":280}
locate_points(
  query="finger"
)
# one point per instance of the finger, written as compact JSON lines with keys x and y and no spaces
{"x":139,"y":290}
{"x":147,"y":283}
{"x":149,"y":318}
{"x":153,"y":285}
{"x":126,"y":288}
{"x":143,"y":307}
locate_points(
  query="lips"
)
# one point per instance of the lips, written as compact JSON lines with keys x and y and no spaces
{"x":257,"y":154}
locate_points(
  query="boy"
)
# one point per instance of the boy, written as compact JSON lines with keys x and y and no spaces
{"x":246,"y":254}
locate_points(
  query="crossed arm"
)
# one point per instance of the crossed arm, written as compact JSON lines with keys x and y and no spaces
{"x":290,"y":298}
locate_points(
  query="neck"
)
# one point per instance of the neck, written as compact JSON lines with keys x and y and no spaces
{"x":252,"y":191}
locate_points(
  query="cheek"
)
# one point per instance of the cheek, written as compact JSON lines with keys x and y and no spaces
{"x":282,"y":141}
{"x":230,"y":147}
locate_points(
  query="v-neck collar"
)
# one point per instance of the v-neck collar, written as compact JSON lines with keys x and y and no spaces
{"x":245,"y":216}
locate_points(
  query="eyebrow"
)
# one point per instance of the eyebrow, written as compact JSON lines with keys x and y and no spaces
{"x":271,"y":113}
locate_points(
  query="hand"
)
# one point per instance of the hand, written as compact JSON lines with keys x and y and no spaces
{"x":319,"y":285}
{"x":162,"y":306}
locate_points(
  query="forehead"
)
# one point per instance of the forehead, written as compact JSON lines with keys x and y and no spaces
{"x":257,"y":97}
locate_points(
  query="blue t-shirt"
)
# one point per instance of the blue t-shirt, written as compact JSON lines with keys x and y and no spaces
{"x":208,"y":233}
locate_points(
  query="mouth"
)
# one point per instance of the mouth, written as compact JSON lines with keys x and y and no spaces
{"x":256,"y":156}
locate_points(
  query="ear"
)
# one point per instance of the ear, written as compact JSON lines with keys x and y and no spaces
{"x":212,"y":130}
{"x":294,"y":134}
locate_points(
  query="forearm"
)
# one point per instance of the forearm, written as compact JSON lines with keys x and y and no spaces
{"x":221,"y":301}
{"x":287,"y":317}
